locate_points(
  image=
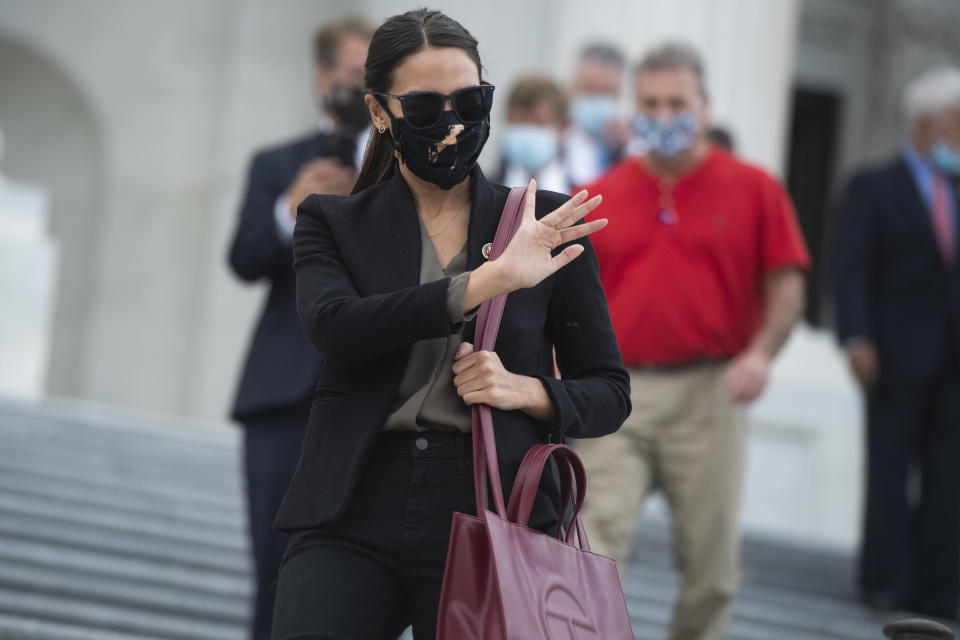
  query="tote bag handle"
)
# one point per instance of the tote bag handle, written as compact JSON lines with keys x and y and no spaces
{"x":485,"y":461}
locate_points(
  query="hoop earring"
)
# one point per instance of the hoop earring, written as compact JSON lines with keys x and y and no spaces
{"x":381,"y":128}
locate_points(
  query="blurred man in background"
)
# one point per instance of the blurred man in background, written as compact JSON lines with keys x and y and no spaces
{"x":536,"y":117}
{"x":705,"y":279}
{"x":597,"y":134}
{"x":282,"y":367}
{"x":898,"y":308}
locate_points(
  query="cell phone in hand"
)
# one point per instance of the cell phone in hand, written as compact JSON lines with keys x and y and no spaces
{"x":340,"y":146}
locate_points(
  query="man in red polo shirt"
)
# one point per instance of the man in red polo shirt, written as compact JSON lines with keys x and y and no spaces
{"x":705,"y":279}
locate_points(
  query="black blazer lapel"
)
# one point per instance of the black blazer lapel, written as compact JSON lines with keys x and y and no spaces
{"x":486,"y":206}
{"x":392,"y":234}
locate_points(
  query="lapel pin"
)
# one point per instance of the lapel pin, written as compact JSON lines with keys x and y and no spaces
{"x":487,"y":248}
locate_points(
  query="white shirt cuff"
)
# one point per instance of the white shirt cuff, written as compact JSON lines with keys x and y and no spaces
{"x":281,"y":213}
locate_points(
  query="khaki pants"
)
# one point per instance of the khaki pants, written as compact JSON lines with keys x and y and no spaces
{"x":686,"y":438}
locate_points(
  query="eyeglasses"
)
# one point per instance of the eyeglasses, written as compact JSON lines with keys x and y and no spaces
{"x":423,"y":109}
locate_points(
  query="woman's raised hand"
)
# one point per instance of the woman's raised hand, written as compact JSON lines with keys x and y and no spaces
{"x":528,"y":259}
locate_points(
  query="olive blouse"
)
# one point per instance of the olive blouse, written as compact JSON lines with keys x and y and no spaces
{"x":426,"y":399}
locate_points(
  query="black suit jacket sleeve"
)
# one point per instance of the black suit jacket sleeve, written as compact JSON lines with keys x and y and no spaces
{"x":854,"y":255}
{"x":345,"y":326}
{"x":593,"y":396}
{"x":257,"y":249}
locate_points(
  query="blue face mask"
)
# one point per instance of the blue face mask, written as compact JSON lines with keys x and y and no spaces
{"x":946,"y":158}
{"x":593,"y":112}
{"x":529,"y":145}
{"x":667,"y":137}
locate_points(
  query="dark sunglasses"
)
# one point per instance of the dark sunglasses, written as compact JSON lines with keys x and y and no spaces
{"x":423,"y":109}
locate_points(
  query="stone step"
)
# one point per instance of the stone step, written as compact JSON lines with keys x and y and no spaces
{"x":654,"y":585}
{"x":31,"y":628}
{"x":756,"y":550}
{"x":109,"y":566}
{"x":227,"y":556}
{"x":215,"y":453}
{"x":215,"y":446}
{"x":182,"y":471}
{"x":172,"y":600}
{"x":114,"y":526}
{"x":121,"y":424}
{"x":804,"y":621}
{"x":103,"y":480}
{"x":801,"y":568}
{"x":651,"y":593}
{"x":651,"y":620}
{"x":119,"y":619}
{"x":174,"y":505}
{"x":157,"y":526}
{"x":165,"y":509}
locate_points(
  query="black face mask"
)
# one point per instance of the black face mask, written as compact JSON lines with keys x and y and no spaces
{"x":424,"y":152}
{"x":347,"y":104}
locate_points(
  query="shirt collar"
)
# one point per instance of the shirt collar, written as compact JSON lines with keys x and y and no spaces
{"x":921,"y":170}
{"x":914,"y":160}
{"x":325,"y":123}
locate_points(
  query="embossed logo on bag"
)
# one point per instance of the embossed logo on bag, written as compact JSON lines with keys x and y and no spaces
{"x":563,"y":616}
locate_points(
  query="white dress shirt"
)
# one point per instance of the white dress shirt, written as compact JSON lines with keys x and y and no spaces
{"x":551,"y":177}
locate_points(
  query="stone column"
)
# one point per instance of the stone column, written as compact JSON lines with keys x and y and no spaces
{"x":28,"y":268}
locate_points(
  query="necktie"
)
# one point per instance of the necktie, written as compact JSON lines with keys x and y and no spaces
{"x":943,"y":220}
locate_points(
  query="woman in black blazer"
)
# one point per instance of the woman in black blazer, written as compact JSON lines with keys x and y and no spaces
{"x":388,"y":280}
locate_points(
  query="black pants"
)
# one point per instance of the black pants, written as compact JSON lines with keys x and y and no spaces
{"x":379,"y":567}
{"x":911,"y":544}
{"x":271,"y":452}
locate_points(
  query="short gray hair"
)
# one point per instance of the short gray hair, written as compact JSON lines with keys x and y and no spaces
{"x":673,"y":55}
{"x":605,"y":53}
{"x":931,"y":92}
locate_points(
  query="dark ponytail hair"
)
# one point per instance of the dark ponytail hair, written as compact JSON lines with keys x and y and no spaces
{"x":399,"y":37}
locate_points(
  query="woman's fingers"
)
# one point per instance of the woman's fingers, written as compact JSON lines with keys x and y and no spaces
{"x":465,"y":376}
{"x":559,"y":215}
{"x":581,"y":211}
{"x":530,"y":201}
{"x":473,"y":386}
{"x":565,"y":257}
{"x":463,"y":351}
{"x":462,"y":366}
{"x":580,"y":230}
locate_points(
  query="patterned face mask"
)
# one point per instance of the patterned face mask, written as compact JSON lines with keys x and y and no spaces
{"x":667,"y":137}
{"x":443,"y":154}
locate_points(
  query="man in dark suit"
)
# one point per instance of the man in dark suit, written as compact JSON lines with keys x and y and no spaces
{"x":897,"y":284}
{"x":282,"y":367}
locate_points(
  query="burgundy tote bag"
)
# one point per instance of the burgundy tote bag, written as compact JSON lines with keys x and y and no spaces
{"x":504,"y":580}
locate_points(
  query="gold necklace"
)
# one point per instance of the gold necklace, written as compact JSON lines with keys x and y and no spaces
{"x":449,"y":222}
